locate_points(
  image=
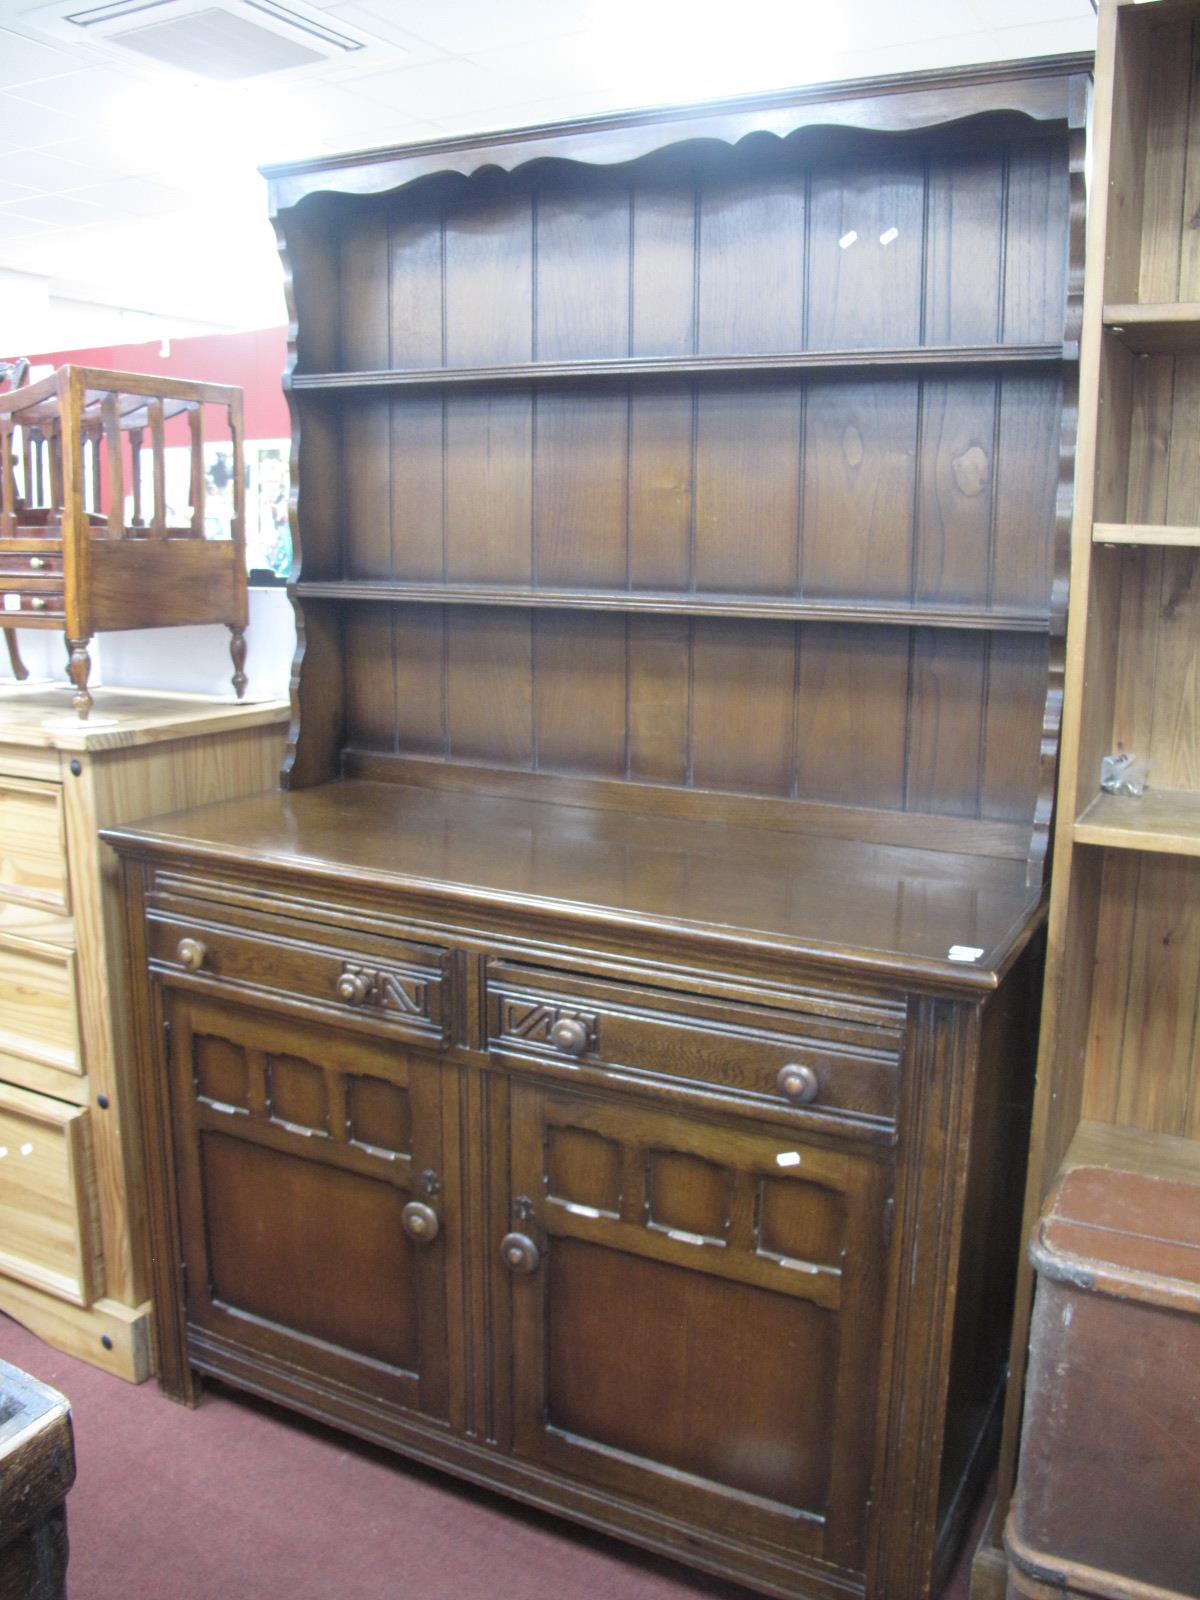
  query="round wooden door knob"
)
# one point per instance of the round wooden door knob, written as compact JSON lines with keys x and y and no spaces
{"x":798,"y":1084}
{"x":570,"y":1036}
{"x":36,"y":564}
{"x":192,"y":954}
{"x":420,"y":1222}
{"x":353,"y":988}
{"x":519,"y":1253}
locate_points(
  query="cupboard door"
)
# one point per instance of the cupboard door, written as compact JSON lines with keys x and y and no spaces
{"x":315,"y":1229}
{"x":696,"y":1316}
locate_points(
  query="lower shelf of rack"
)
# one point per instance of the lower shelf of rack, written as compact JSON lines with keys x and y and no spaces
{"x":1158,"y":535}
{"x":1163,"y":820}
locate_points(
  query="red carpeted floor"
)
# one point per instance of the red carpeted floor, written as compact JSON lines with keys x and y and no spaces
{"x":239,"y":1501}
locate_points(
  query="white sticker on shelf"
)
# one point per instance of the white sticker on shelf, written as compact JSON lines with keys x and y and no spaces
{"x":847,"y":239}
{"x":12,"y":602}
{"x":964,"y":952}
{"x":889,"y":235}
{"x":788,"y":1158}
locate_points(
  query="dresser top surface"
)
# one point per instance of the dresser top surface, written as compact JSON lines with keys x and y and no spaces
{"x":880,"y":909}
{"x":39,"y":715}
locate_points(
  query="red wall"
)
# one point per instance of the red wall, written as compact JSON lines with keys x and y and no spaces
{"x":254,"y":361}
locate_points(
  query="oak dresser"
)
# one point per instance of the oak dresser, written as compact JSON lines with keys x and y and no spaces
{"x":603,"y":1068}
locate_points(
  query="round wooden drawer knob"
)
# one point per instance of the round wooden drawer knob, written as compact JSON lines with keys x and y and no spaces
{"x":519,"y":1253}
{"x":798,"y":1084}
{"x":38,"y":603}
{"x":36,"y":564}
{"x":570,"y":1036}
{"x":353,"y":988}
{"x":420,"y":1222}
{"x":192,"y":954}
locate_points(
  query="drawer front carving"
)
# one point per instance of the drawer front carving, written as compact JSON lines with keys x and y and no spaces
{"x":33,"y":862}
{"x":404,"y":991}
{"x":37,"y":1005}
{"x":48,"y":1232}
{"x":773,"y":1063}
{"x":311,"y":1197}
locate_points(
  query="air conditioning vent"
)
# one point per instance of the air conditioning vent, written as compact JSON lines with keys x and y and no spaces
{"x":223,"y":40}
{"x":216,"y":44}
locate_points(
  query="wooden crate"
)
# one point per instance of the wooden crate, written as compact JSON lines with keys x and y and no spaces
{"x":1107,"y":1497}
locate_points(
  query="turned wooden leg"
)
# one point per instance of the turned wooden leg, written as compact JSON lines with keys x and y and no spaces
{"x":80,"y":667}
{"x":237,"y":652}
{"x":19,"y":670}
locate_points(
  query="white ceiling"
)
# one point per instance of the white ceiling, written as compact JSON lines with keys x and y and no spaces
{"x":134,"y":185}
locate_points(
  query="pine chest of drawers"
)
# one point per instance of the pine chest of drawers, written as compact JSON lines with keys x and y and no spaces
{"x":72,"y":1234}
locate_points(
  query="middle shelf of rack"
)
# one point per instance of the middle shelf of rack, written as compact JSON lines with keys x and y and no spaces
{"x":1163,"y":328}
{"x":788,"y":608}
{"x":627,"y":368}
{"x":1166,"y":821}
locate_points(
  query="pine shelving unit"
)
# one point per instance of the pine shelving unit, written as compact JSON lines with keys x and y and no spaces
{"x":1118,"y":1050}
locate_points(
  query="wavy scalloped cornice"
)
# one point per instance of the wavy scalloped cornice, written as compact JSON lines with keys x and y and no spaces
{"x":1043,"y":90}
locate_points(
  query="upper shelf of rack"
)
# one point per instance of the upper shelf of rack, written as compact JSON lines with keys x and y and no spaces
{"x":933,"y":357}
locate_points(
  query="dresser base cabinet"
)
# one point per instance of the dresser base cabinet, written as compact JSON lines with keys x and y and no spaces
{"x":710,"y":1255}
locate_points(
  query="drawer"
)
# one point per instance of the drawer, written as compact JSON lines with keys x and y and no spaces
{"x":33,"y":858}
{"x":31,"y":603}
{"x":37,"y":1004}
{"x":769,"y":1062}
{"x":48,"y":1230}
{"x":37,"y":564}
{"x":388,"y":984}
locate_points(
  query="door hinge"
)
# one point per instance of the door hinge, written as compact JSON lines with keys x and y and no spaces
{"x":889,"y":1217}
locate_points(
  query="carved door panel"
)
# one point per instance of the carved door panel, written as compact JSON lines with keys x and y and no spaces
{"x":315,"y":1228}
{"x":696,"y":1316}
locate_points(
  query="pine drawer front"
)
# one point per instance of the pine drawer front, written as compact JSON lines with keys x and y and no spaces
{"x":33,"y":859}
{"x":769,"y":1063}
{"x":386,"y":985}
{"x":48,"y":1232}
{"x":37,"y":1005}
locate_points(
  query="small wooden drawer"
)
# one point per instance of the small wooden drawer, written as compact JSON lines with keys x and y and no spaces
{"x":37,"y":1004}
{"x":48,"y":1232}
{"x":389,"y":984}
{"x":31,"y":603}
{"x":754,"y":1058}
{"x":37,"y":564}
{"x":33,"y":858}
